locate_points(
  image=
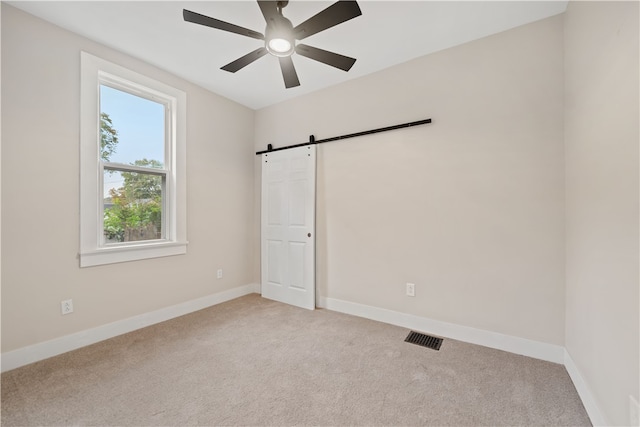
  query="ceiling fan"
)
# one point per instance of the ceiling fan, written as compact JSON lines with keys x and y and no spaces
{"x":280,"y":36}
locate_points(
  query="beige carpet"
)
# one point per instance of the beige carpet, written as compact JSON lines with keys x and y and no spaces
{"x":252,"y":361}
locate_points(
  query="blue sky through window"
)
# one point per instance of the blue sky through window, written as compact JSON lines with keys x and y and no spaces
{"x":140,"y":126}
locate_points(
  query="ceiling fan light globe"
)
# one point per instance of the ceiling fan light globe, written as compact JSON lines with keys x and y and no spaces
{"x":279,"y":46}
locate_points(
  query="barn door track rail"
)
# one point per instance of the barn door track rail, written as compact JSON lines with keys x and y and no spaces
{"x":312,"y":139}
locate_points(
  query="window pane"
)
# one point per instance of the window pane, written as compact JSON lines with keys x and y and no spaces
{"x":131,"y":129}
{"x":133,"y":203}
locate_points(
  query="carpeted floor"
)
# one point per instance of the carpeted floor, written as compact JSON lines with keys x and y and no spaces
{"x":252,"y":361}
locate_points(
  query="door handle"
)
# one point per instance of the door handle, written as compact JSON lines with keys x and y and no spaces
{"x":308,"y":234}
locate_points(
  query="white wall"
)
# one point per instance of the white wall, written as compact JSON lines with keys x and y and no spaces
{"x":470,"y":208}
{"x":601,"y":139}
{"x":40,"y":186}
{"x":0,"y":170}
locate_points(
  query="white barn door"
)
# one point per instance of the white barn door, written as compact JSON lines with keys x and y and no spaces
{"x":288,"y":226}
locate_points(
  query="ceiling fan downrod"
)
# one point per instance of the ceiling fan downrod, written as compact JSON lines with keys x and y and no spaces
{"x":281,"y":5}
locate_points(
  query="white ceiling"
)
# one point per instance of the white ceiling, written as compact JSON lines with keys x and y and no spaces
{"x":387,"y":33}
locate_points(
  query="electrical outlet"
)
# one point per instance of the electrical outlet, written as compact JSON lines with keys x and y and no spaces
{"x":219,"y":273}
{"x":411,"y":289}
{"x":66,"y":306}
{"x":634,"y":412}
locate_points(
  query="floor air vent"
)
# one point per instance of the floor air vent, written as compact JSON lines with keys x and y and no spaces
{"x":424,"y":340}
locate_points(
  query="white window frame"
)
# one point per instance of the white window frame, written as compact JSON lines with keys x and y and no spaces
{"x":93,"y":249}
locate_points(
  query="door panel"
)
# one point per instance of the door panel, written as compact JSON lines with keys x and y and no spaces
{"x":274,"y":249}
{"x":288,"y":226}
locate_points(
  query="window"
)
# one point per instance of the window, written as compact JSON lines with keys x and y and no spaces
{"x":133,"y":198}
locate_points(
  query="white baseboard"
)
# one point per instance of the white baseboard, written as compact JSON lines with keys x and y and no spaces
{"x":33,"y":353}
{"x":525,"y":347}
{"x":588,"y":400}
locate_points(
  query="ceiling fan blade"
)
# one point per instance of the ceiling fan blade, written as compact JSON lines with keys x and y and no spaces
{"x":242,"y":62}
{"x":335,"y":14}
{"x":330,"y":58}
{"x":288,"y":72}
{"x":269,"y":10}
{"x":207,"y":21}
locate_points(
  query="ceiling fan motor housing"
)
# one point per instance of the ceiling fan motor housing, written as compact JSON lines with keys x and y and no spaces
{"x":279,"y":39}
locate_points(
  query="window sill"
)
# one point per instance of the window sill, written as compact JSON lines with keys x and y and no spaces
{"x":116,"y":254}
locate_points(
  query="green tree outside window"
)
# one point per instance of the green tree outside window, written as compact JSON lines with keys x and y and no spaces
{"x":135,"y":211}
